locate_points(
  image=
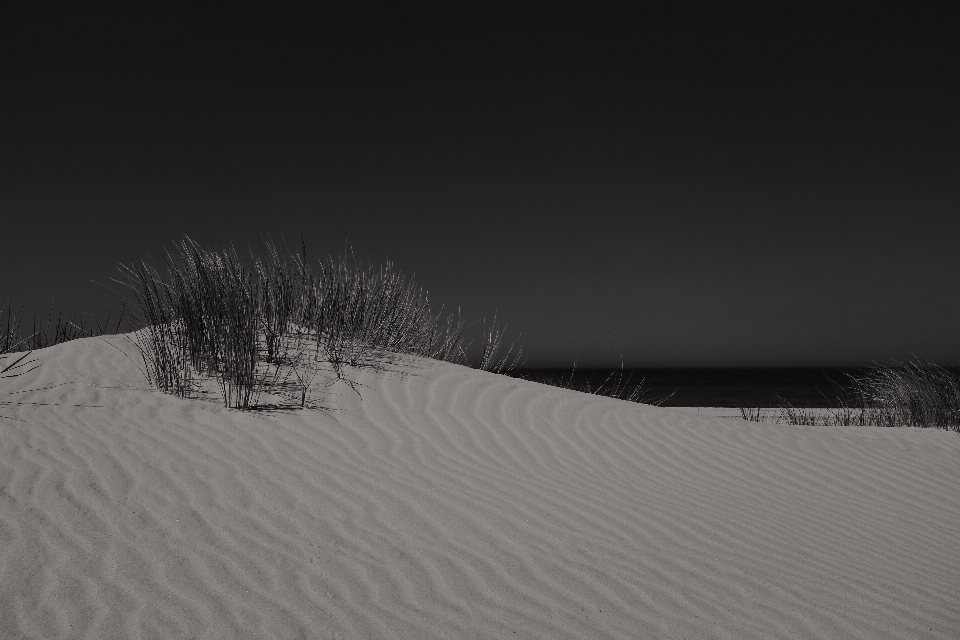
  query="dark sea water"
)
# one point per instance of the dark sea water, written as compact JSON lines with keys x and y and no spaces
{"x":719,"y":387}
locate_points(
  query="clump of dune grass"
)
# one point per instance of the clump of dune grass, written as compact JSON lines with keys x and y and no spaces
{"x":204,"y":314}
{"x":911,"y":394}
{"x":256,"y":324}
{"x":490,"y":360}
{"x":895,"y":394}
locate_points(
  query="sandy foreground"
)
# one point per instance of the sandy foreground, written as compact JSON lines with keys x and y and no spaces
{"x":454,"y":503}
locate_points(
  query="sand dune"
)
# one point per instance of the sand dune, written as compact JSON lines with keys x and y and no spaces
{"x":453,"y":503}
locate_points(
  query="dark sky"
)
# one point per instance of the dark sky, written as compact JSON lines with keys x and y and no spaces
{"x":696,"y":185}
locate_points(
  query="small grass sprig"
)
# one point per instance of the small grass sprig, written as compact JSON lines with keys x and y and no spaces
{"x":489,"y":360}
{"x":17,"y":367}
{"x":615,"y":385}
{"x":43,"y":334}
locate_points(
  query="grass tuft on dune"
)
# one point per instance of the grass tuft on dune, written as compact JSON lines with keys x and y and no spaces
{"x":895,"y":394}
{"x":251,"y":324}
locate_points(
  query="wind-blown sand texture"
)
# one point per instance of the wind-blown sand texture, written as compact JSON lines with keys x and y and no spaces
{"x":454,"y":503}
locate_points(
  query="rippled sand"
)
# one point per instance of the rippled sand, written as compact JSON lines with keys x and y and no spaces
{"x":444,"y":502}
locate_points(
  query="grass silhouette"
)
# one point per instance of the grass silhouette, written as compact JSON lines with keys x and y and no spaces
{"x":894,"y":394}
{"x":615,"y":385}
{"x":253,"y":323}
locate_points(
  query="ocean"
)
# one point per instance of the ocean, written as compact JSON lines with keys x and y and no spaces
{"x":720,"y":387}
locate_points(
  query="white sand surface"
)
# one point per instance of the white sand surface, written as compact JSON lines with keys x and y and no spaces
{"x":454,"y":503}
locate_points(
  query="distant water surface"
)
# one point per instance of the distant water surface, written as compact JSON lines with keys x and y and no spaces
{"x":720,"y":387}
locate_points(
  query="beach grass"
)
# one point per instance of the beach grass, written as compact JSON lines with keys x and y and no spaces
{"x":614,"y":385}
{"x":277,"y":317}
{"x":13,"y":368}
{"x":899,"y":393}
{"x":55,"y":329}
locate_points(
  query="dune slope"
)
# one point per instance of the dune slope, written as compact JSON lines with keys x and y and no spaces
{"x":444,"y":502}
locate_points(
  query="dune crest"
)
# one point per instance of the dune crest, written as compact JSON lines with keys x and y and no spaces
{"x":446,"y":502}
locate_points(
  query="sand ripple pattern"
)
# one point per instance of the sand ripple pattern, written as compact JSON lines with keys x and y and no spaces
{"x":444,"y":502}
